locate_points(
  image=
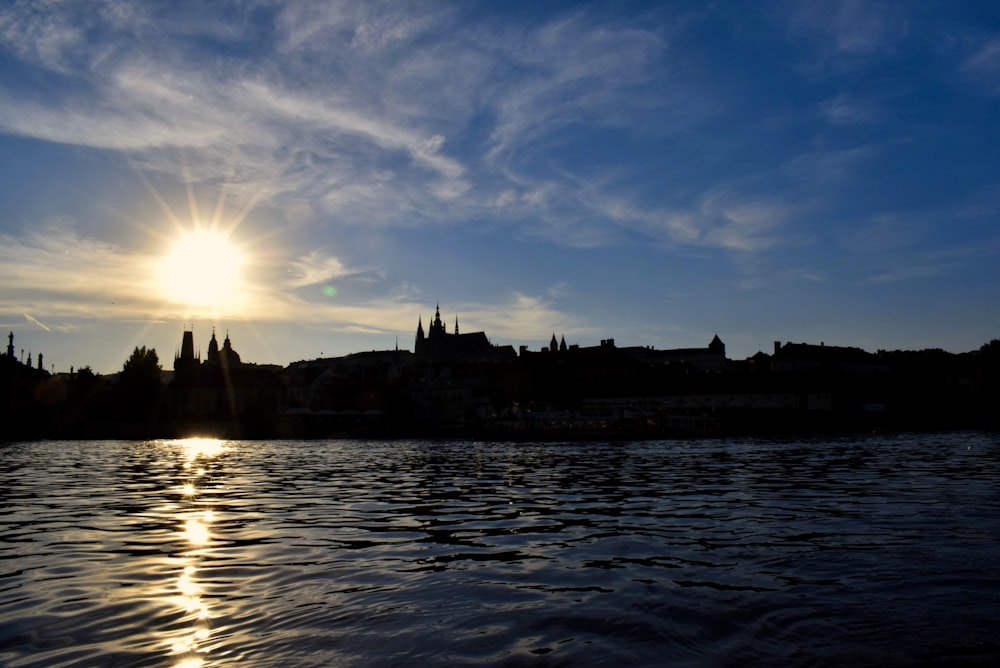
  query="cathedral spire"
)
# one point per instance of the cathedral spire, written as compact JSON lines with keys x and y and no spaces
{"x":437,"y":327}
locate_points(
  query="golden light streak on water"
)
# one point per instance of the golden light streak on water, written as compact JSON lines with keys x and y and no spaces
{"x":190,"y":663}
{"x":186,"y":584}
{"x":196,"y":532}
{"x":202,"y":447}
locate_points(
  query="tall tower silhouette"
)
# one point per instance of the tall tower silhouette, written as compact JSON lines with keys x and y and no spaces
{"x":186,"y":361}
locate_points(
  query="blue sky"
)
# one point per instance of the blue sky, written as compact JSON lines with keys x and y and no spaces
{"x":655,"y":173}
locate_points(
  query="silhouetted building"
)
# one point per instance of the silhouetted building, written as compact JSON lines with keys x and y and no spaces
{"x":797,"y":357}
{"x":438,"y":345}
{"x":222,"y":394}
{"x":28,"y":396}
{"x":185,"y":360}
{"x":709,"y":358}
{"x":227,"y":358}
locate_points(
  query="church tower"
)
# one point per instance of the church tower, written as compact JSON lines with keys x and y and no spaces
{"x":230,"y":358}
{"x":717,"y":346}
{"x":212,"y":357}
{"x":185,"y":361}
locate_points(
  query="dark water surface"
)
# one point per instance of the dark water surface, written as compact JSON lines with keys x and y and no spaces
{"x":855,"y":551}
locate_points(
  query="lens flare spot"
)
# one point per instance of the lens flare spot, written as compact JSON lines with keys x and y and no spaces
{"x":329,"y":291}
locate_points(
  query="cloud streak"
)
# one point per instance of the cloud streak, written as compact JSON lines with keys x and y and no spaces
{"x":35,"y":321}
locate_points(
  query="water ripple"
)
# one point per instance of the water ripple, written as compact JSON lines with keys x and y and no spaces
{"x":854,"y":551}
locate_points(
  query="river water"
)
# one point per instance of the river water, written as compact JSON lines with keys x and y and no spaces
{"x":877,"y":550}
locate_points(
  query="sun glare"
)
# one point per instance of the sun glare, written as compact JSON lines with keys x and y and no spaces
{"x":202,"y":268}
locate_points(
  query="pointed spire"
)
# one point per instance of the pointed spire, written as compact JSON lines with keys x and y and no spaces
{"x":212,"y":356}
{"x":437,"y":327}
{"x":456,"y":325}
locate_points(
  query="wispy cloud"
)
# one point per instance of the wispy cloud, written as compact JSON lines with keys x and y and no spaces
{"x":54,"y":272}
{"x":889,"y":233}
{"x":897,"y":245}
{"x":795,"y":275}
{"x":746,"y":225}
{"x":984,"y":65}
{"x":847,"y":27}
{"x":294,"y":119}
{"x":522,"y":317}
{"x":576,"y":70}
{"x":909,"y":272}
{"x":54,"y":275}
{"x":314,"y":268}
{"x":845,"y":109}
{"x":35,"y":321}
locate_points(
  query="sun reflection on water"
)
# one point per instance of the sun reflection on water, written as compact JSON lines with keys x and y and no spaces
{"x":195,"y":529}
{"x":191,"y":663}
{"x":201,"y":447}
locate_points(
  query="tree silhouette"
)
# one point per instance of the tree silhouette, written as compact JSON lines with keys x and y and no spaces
{"x":139,"y":386}
{"x":143,"y":365}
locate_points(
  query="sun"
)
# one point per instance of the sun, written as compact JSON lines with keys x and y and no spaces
{"x":202,"y":268}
